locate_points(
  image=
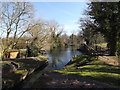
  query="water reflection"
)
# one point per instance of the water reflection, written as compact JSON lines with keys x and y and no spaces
{"x":60,"y":57}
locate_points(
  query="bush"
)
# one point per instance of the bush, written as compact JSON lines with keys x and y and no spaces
{"x":32,"y":51}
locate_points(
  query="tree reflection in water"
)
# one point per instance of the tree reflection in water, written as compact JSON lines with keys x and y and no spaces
{"x":59,"y":57}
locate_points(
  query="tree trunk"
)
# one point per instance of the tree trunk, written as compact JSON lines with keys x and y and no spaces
{"x":112,"y":49}
{"x":112,"y":45}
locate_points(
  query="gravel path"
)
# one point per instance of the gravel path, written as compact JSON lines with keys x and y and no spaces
{"x":113,"y":60}
{"x":57,"y":80}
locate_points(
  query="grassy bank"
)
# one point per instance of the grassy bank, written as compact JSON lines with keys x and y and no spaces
{"x":102,"y":44}
{"x":90,"y":67}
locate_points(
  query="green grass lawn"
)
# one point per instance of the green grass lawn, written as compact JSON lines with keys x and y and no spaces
{"x":1,"y":54}
{"x":102,"y":44}
{"x":90,"y":67}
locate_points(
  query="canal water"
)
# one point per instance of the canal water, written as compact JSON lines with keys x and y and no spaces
{"x":58,"y":57}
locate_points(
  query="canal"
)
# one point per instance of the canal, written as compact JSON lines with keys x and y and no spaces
{"x":59,"y":57}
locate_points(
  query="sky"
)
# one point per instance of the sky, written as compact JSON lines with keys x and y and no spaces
{"x":66,"y":14}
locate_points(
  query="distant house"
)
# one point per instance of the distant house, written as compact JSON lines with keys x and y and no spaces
{"x":13,"y":54}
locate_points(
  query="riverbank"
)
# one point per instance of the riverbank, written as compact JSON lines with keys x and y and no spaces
{"x":92,"y":68}
{"x":15,"y":71}
{"x":81,"y":72}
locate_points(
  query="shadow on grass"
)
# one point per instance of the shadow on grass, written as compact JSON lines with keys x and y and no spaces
{"x":109,"y":78}
{"x":106,"y":79}
{"x":94,"y":69}
{"x":106,"y":69}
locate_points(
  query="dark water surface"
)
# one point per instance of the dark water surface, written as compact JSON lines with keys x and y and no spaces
{"x":58,"y":58}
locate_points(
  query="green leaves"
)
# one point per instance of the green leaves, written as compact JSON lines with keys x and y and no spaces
{"x":106,"y":15}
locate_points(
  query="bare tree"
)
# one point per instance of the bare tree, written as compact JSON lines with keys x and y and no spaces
{"x":56,"y":31}
{"x":39,"y":34}
{"x":16,"y":18}
{"x":65,"y":39}
{"x":0,"y":31}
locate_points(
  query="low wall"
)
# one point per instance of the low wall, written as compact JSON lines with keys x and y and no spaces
{"x":26,"y":68}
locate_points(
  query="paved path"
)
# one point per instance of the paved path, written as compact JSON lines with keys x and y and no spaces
{"x":57,"y":80}
{"x":113,"y":60}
